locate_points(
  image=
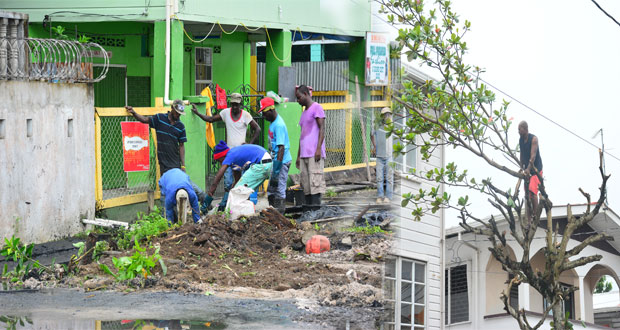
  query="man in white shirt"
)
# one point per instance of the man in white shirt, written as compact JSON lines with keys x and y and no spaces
{"x":237,"y":121}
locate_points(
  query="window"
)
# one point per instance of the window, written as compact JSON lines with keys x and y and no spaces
{"x":568,"y":304}
{"x":405,"y":292}
{"x":456,"y":294}
{"x":204,"y":68}
{"x":514,"y":293}
{"x":407,"y":162}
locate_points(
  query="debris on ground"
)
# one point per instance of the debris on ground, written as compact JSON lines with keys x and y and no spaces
{"x":374,"y":218}
{"x":324,"y":212}
{"x":260,"y":256}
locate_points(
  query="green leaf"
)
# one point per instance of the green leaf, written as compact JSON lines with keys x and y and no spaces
{"x":106,"y":269}
{"x":164,"y":269}
{"x":511,"y":203}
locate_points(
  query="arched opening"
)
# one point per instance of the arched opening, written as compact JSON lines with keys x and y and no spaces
{"x":495,"y":281}
{"x":600,"y":293}
{"x":569,"y":278}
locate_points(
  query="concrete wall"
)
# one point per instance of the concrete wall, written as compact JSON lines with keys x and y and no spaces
{"x":46,"y":179}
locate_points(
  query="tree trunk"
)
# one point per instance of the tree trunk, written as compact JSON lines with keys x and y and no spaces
{"x":558,"y":317}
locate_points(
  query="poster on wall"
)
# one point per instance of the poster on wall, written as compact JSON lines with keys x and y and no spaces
{"x":136,"y":155}
{"x":377,"y":59}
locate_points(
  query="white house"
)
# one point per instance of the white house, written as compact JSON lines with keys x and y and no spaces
{"x":474,"y":279}
{"x":413,"y":278}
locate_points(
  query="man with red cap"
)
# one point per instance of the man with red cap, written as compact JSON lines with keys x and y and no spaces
{"x":251,"y":160}
{"x":280,"y":152}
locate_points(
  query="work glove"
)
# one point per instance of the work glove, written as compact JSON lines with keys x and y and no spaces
{"x":277,"y":166}
{"x":206,"y":204}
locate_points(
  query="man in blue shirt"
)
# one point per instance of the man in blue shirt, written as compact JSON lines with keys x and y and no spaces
{"x":251,"y":160}
{"x":170,"y":183}
{"x":280,"y":152}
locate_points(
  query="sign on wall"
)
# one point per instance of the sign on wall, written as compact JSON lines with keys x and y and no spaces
{"x":377,"y":59}
{"x":136,"y":154}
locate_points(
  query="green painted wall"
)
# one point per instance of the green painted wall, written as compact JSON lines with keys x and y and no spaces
{"x":131,"y":35}
{"x":281,"y":43}
{"x":357,"y":58}
{"x":322,"y":16}
{"x":97,"y":10}
{"x":291,"y":113}
{"x":159,"y":60}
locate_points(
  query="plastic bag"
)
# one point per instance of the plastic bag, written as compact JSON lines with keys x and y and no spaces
{"x":238,"y":202}
{"x":220,"y":97}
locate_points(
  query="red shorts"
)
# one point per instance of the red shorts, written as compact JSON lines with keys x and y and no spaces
{"x":534,"y":182}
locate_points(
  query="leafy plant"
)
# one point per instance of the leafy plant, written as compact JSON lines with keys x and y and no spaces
{"x":80,"y":246}
{"x":100,"y":246}
{"x":84,"y":39}
{"x":59,"y":32}
{"x":22,"y":256}
{"x":140,"y":263}
{"x":317,"y":227}
{"x":367,"y":230}
{"x":147,"y":226}
{"x":12,"y":321}
{"x":330,"y":193}
{"x":603,"y":285}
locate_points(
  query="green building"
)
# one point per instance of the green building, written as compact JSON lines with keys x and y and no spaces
{"x":169,"y":49}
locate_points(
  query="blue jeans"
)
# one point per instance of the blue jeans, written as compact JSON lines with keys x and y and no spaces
{"x":385,"y":175}
{"x":229,"y":179}
{"x":279,"y":189}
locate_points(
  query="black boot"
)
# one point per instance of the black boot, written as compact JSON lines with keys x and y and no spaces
{"x":280,"y":205}
{"x":271,"y":199}
{"x":316,"y":201}
{"x":308,"y":203}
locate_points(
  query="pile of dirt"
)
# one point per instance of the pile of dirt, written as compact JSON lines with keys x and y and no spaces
{"x":261,"y":252}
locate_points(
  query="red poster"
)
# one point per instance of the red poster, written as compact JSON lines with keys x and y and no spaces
{"x":220,"y":96}
{"x":136,"y":154}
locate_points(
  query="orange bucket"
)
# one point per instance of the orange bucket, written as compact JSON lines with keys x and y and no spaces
{"x":317,"y":244}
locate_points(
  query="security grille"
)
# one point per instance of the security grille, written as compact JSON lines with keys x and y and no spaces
{"x":116,"y":182}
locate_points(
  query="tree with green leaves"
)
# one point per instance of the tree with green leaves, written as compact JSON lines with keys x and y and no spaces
{"x":602,"y":285}
{"x":460,"y":111}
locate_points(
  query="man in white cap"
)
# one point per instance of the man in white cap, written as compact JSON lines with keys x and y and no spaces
{"x":237,"y":121}
{"x":382,"y":147}
{"x":171,"y":138}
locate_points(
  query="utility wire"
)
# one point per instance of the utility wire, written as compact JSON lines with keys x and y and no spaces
{"x":515,"y":99}
{"x":547,"y":118}
{"x":606,"y":13}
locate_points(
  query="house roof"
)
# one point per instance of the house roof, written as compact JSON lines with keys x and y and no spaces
{"x":605,"y":221}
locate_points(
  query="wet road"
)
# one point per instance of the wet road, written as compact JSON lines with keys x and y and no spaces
{"x":75,"y":309}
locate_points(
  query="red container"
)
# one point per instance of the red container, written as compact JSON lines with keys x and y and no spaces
{"x":317,"y":244}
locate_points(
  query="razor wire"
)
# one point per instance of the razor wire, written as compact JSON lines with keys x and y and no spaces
{"x":51,"y":60}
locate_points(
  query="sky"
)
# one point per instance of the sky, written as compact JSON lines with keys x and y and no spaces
{"x":561,"y":58}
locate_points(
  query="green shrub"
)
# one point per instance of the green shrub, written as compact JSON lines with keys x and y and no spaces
{"x":146,"y":227}
{"x":140,"y":263}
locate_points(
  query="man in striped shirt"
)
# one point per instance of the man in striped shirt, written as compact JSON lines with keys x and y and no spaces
{"x":171,"y":138}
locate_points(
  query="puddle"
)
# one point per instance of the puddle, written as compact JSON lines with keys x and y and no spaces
{"x":75,"y":309}
{"x":26,"y":323}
